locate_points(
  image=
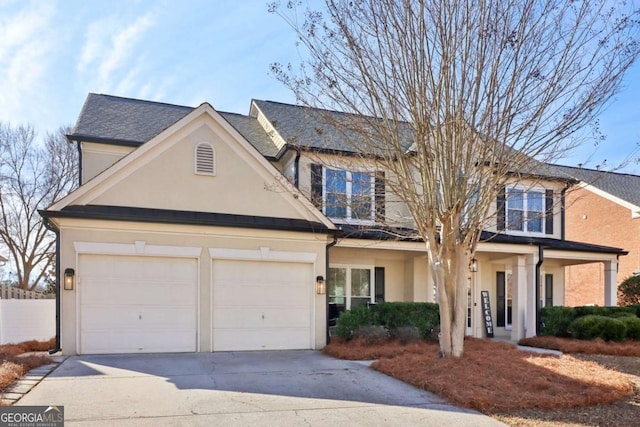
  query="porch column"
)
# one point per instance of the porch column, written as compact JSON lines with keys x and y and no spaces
{"x":611,"y":283}
{"x":519,"y":289}
{"x":531,"y":306}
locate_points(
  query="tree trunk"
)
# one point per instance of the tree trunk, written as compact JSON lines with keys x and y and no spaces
{"x":450,"y":275}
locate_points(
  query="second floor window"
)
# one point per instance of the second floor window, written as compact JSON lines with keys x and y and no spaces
{"x":348,"y":195}
{"x":525,"y":210}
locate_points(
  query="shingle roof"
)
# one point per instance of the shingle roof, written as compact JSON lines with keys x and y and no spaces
{"x":134,"y":122}
{"x":318,"y":131}
{"x":621,"y":185}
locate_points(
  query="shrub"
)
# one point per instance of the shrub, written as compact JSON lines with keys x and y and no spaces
{"x":633,"y":327}
{"x":351,"y":320}
{"x":556,"y":320}
{"x":422,"y":315}
{"x":407,"y":334}
{"x":629,"y":290}
{"x":372,"y":334}
{"x":635,"y":308}
{"x":601,"y":311}
{"x":593,"y":326}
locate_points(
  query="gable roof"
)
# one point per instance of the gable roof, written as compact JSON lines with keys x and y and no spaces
{"x":620,"y":185}
{"x":318,"y":131}
{"x":132,"y":122}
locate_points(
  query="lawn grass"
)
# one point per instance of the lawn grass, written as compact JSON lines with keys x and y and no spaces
{"x":494,"y":376}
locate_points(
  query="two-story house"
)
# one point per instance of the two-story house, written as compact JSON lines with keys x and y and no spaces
{"x":198,"y":230}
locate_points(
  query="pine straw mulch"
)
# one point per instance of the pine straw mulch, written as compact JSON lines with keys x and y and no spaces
{"x":495,"y":376}
{"x":572,"y":345}
{"x":14,"y":364}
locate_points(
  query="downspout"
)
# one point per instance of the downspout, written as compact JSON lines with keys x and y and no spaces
{"x":562,"y":211}
{"x":51,"y":227}
{"x":296,"y":167}
{"x":538,"y":283}
{"x":326,"y":276}
{"x":79,"y":145}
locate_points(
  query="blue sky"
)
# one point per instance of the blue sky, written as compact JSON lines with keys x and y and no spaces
{"x":52,"y":53}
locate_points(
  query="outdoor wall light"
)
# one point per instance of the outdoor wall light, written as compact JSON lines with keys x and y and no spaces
{"x":69,"y":279}
{"x":473,"y":265}
{"x":321,"y":285}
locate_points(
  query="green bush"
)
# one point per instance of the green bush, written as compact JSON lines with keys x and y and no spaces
{"x":601,"y":311}
{"x":593,"y":326}
{"x":422,"y":315}
{"x":629,"y":290}
{"x":633,"y":327}
{"x":407,"y":334}
{"x":391,"y":315}
{"x":351,"y":320}
{"x":556,"y":320}
{"x":635,"y":308}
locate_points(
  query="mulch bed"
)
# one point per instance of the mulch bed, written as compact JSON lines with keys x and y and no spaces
{"x":495,"y":376}
{"x":14,"y":364}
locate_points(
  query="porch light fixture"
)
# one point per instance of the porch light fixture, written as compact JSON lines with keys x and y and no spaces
{"x":473,"y":265}
{"x":69,"y":279}
{"x":321,"y":285}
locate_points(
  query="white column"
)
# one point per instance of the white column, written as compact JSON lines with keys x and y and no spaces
{"x":519,"y":283}
{"x":531,"y":307}
{"x":611,"y":283}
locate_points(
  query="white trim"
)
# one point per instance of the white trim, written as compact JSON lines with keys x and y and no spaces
{"x":262,"y":254}
{"x":138,"y":248}
{"x":525,"y":210}
{"x":347,"y":285}
{"x":196,"y":158}
{"x":635,"y":210}
{"x":381,"y":244}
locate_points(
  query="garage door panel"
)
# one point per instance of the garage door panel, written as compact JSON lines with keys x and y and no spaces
{"x":267,"y":318}
{"x":109,"y":341}
{"x":262,"y":339}
{"x":261,"y":305}
{"x":137,"y":304}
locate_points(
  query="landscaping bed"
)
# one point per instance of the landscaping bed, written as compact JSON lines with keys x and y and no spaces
{"x":517,"y":387}
{"x":15,"y":362}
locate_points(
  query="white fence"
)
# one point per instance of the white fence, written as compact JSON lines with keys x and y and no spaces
{"x":27,"y":319}
{"x":11,"y":292}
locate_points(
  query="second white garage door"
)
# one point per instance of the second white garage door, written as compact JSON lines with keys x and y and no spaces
{"x":133,"y":304}
{"x":259,"y":305}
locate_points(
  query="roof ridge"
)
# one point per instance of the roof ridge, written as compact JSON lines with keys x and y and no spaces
{"x":595,"y":170}
{"x":138,"y":100}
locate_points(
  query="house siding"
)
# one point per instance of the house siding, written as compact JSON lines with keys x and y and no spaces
{"x":591,"y":218}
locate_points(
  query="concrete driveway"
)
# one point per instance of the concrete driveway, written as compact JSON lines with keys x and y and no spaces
{"x":276,"y":388}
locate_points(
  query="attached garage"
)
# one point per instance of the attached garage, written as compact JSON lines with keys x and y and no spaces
{"x":137,"y":304}
{"x":262,"y":305}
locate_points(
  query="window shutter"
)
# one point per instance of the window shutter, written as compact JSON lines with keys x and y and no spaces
{"x":379,"y":188}
{"x":500,"y":298}
{"x":205,"y":159}
{"x":379,"y":275}
{"x":548,"y":212}
{"x":316,"y":185}
{"x":501,"y":206}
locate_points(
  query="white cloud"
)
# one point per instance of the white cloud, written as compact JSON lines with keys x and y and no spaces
{"x":109,"y":50}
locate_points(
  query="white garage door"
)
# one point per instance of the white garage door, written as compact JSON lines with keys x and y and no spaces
{"x":132,"y":304}
{"x":260,"y":305}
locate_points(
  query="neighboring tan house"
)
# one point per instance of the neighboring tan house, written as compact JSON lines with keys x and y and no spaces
{"x":198,"y":230}
{"x":604,"y":209}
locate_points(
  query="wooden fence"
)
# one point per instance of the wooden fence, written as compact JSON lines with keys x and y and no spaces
{"x":11,"y":292}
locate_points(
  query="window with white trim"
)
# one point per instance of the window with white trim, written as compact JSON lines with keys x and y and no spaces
{"x":349,"y":196}
{"x":350,"y":286}
{"x":205,"y":159}
{"x":525,"y":210}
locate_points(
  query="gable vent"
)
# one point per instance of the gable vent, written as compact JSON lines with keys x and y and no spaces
{"x":205,"y":159}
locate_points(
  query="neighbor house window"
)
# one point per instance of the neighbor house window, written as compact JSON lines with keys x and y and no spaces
{"x":525,"y":210}
{"x":349,"y":195}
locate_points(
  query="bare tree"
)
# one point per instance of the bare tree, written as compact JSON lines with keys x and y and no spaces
{"x":484,"y":88}
{"x":32,"y":176}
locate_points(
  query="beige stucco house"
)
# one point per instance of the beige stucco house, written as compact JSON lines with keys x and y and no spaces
{"x":198,"y":230}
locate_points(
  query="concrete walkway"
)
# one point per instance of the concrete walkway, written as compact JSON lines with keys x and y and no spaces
{"x":281,"y":388}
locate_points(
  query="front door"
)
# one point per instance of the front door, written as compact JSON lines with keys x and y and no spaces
{"x":504,"y":296}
